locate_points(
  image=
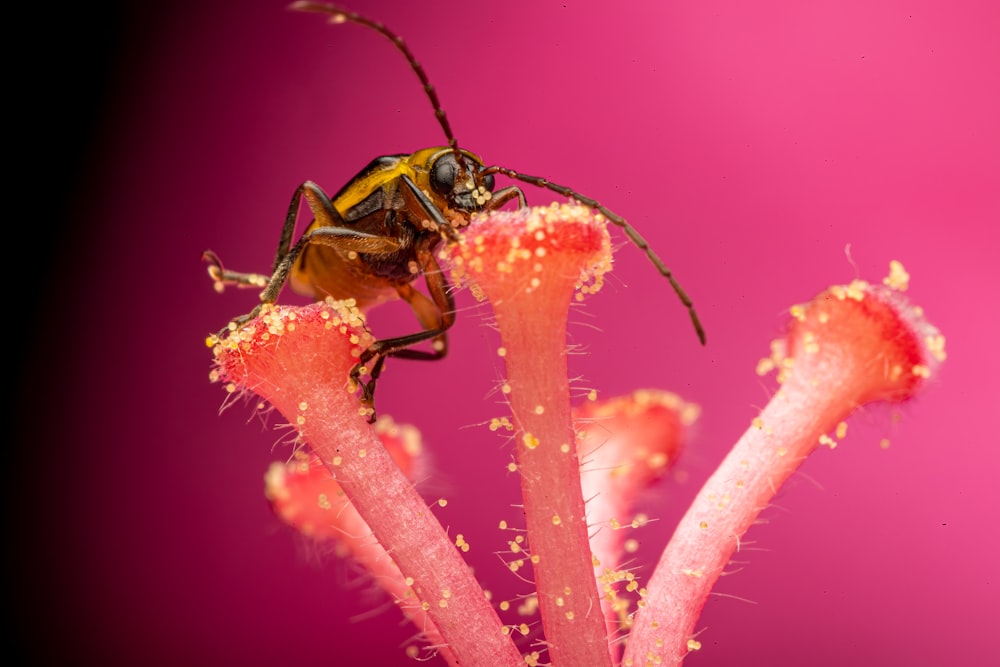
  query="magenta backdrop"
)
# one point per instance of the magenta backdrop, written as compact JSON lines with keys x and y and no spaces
{"x":752,"y":143}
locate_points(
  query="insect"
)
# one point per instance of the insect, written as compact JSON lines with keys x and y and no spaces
{"x":372,"y":239}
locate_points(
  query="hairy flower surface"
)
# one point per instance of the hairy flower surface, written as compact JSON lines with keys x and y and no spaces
{"x":625,"y":444}
{"x":851,"y":345}
{"x":299,"y":360}
{"x":530,"y":264}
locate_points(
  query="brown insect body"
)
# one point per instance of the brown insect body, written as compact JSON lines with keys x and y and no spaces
{"x":381,"y":230}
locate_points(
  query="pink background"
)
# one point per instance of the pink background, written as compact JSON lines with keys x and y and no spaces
{"x":749,"y":142}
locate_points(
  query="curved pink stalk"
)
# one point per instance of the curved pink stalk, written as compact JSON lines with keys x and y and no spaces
{"x":849,"y":346}
{"x":299,"y":360}
{"x":305,"y":496}
{"x":529,"y":263}
{"x":625,"y":444}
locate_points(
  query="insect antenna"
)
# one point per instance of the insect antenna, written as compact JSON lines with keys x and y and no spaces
{"x":341,"y":15}
{"x":619,"y":221}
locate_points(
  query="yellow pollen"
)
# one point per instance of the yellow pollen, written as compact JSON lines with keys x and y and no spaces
{"x":764,"y":366}
{"x":935,"y":345}
{"x":898,"y":279}
{"x":530,"y":441}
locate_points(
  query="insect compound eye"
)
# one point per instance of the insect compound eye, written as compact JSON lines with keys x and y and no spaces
{"x":443,"y":175}
{"x":489,"y":182}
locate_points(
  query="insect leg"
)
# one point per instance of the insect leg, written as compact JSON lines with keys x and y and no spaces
{"x":435,"y":316}
{"x":619,"y":221}
{"x":431,"y":319}
{"x":222,"y":276}
{"x":504,"y":195}
{"x":330,"y":229}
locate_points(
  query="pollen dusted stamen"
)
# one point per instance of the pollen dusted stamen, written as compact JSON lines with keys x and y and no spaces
{"x":851,"y":345}
{"x":275,"y":355}
{"x":529,"y":263}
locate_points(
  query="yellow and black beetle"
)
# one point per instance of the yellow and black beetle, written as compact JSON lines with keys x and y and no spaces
{"x":373,"y":238}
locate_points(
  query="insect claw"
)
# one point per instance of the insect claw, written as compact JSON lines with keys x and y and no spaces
{"x":215,"y":270}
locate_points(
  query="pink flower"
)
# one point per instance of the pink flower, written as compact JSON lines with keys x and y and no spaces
{"x":849,"y":346}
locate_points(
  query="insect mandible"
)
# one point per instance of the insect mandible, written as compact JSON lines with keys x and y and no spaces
{"x":372,"y":239}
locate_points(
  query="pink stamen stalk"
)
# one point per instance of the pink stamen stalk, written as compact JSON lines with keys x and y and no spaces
{"x":299,"y":360}
{"x":850,"y":346}
{"x":305,"y":496}
{"x":625,"y":444}
{"x":529,"y":264}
